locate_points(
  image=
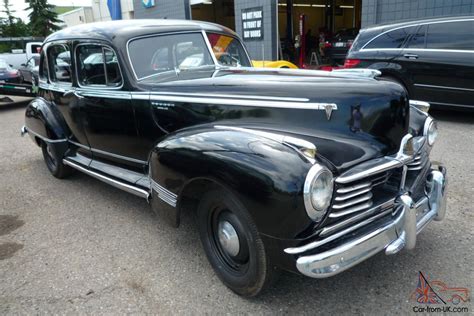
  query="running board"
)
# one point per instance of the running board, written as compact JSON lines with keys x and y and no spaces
{"x":115,"y":183}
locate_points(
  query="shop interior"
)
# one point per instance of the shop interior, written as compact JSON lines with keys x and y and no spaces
{"x":317,"y":23}
{"x":221,"y":12}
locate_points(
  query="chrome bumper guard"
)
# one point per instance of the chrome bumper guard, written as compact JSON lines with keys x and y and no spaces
{"x":393,"y":237}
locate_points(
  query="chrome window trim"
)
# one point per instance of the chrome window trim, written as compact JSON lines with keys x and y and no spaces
{"x":419,"y":49}
{"x":98,"y":87}
{"x":59,"y":83}
{"x":388,"y":31}
{"x":442,"y":87}
{"x":416,"y":24}
{"x":155,"y":35}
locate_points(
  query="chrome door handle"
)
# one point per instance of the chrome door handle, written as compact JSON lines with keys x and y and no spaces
{"x":410,"y":56}
{"x":72,"y":92}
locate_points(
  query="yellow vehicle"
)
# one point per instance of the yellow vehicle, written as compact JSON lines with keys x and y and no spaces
{"x":273,"y":64}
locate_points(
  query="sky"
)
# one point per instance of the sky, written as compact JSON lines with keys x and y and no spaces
{"x":19,"y":6}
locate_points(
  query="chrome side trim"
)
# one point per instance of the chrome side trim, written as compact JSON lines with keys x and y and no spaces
{"x":98,"y":151}
{"x":164,"y":194}
{"x":103,"y":93}
{"x":79,"y":145}
{"x":115,"y":183}
{"x":243,"y":102}
{"x":48,"y":140}
{"x":234,"y":96}
{"x":442,"y":87}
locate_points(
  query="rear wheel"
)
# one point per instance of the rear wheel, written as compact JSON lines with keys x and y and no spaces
{"x":53,"y":162}
{"x":232,"y":244}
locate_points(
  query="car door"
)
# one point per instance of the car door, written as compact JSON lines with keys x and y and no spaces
{"x":56,"y":86}
{"x":439,"y":60}
{"x":109,"y":119}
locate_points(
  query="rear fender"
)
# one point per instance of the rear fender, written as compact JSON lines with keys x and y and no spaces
{"x":44,"y":122}
{"x":267,"y":176}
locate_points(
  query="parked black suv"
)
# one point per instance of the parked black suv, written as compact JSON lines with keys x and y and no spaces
{"x":433,"y":59}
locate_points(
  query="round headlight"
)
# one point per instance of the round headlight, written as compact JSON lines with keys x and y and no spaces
{"x":430,"y":131}
{"x":318,"y":189}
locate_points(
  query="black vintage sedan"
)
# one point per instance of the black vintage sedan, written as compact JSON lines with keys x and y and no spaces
{"x":433,"y":59}
{"x":305,"y":171}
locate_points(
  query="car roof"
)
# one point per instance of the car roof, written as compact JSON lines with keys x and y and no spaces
{"x":386,"y":26}
{"x":125,"y":29}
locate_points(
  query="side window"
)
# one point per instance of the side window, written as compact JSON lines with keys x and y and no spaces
{"x":392,"y":39}
{"x":165,"y":54}
{"x":418,"y":39}
{"x":59,"y":63}
{"x":43,"y":69}
{"x":98,"y":66}
{"x":451,"y":35}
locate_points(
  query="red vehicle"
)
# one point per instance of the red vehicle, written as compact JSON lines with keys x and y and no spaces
{"x":453,"y":295}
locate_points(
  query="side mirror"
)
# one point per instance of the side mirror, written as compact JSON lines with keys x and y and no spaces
{"x":22,"y":65}
{"x":10,"y":65}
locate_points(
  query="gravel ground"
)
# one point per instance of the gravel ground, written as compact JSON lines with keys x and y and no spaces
{"x":81,"y":246}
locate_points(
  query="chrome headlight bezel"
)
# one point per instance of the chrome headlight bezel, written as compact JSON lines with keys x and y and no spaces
{"x":317,"y":172}
{"x":430,"y":130}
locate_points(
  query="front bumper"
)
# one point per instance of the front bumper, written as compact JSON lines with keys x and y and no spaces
{"x":393,"y":237}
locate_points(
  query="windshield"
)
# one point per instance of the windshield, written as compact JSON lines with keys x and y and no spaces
{"x":155,"y":55}
{"x":228,"y":50}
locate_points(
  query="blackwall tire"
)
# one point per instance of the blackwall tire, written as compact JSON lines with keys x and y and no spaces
{"x":54,"y":163}
{"x":246,"y":271}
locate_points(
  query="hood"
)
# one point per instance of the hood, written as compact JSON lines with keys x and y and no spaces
{"x":367,"y":118}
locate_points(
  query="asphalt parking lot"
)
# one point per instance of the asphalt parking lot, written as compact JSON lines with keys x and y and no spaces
{"x":81,"y":246}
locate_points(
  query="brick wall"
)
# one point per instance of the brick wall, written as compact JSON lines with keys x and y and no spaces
{"x":382,"y":11}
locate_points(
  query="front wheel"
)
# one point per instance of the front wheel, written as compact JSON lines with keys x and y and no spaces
{"x":232,"y":244}
{"x":53,"y":162}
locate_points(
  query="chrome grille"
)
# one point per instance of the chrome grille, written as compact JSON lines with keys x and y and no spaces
{"x":420,"y":161}
{"x":355,"y":197}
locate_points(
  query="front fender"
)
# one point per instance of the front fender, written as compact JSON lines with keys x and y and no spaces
{"x":267,"y":176}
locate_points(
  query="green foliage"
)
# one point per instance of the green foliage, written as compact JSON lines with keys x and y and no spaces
{"x":43,"y":18}
{"x":12,"y":26}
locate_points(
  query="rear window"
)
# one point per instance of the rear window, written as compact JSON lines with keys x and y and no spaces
{"x":418,"y":39}
{"x":452,"y":35}
{"x":391,"y":39}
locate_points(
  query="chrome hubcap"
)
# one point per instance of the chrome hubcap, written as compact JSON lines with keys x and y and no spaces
{"x":228,"y":238}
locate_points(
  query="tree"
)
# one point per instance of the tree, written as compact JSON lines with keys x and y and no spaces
{"x":8,"y":12}
{"x":43,"y":18}
{"x":12,"y":26}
